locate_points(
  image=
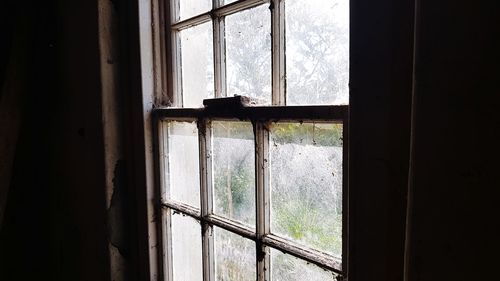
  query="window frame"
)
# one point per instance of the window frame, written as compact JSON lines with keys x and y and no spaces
{"x":216,"y":15}
{"x":379,"y":98}
{"x":257,"y":115}
{"x":262,"y":236}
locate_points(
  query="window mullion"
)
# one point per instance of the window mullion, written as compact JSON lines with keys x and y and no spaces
{"x":262,"y":199}
{"x":219,"y":40}
{"x":217,"y":3}
{"x":174,"y":11}
{"x":206,"y":199}
{"x":278,"y":51}
{"x":165,"y":213}
{"x":175,"y":64}
{"x":162,"y":138}
{"x":219,"y":56}
{"x":205,"y":139}
{"x":166,"y":228}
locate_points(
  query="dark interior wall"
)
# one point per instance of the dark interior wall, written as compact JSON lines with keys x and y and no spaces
{"x":28,"y":216}
{"x":379,"y":136}
{"x":455,"y":226}
{"x":82,"y":187}
{"x":54,"y":227}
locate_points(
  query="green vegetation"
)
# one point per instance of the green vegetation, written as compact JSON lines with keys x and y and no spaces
{"x":306,"y":203}
{"x":308,"y":133}
{"x":306,"y":162}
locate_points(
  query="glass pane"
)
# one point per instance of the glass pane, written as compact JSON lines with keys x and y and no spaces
{"x":306,"y":184}
{"x":229,"y":1}
{"x":317,"y":51}
{"x":288,"y":268}
{"x":233,"y":170}
{"x":186,"y":248}
{"x":183,"y":164}
{"x":234,"y":257}
{"x":197,"y":64}
{"x":248,"y":53}
{"x":190,"y":8}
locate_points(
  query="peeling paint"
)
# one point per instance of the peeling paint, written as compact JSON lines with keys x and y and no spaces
{"x":118,"y":266}
{"x":119,"y":228}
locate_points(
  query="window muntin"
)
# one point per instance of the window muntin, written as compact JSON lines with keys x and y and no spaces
{"x":276,"y":246}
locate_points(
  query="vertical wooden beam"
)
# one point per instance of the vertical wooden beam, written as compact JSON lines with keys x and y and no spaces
{"x":204,"y":129}
{"x":175,"y":62}
{"x":160,"y":138}
{"x":219,"y":56}
{"x":262,"y":199}
{"x":219,"y":47}
{"x":278,"y":52}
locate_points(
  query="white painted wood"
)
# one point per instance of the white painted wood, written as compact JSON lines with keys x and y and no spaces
{"x":262,"y":199}
{"x":260,"y":118}
{"x":219,"y":56}
{"x":278,"y":52}
{"x":206,"y":199}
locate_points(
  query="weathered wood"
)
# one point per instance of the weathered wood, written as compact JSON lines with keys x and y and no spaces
{"x":273,"y":113}
{"x":318,"y":258}
{"x":183,"y":208}
{"x":262,"y":197}
{"x":278,"y":52}
{"x":216,"y":13}
{"x":230,"y":225}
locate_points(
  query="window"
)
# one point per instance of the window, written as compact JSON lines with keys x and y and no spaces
{"x":252,"y":153}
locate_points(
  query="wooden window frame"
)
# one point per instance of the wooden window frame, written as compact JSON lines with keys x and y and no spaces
{"x":218,"y":13}
{"x":380,"y":87}
{"x":259,"y":116}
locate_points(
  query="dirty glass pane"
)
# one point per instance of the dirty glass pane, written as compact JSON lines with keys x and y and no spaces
{"x":229,"y":1}
{"x":306,"y":184}
{"x":191,"y":8}
{"x":248,"y":53}
{"x":317,"y":51}
{"x":234,"y":257}
{"x":197,"y":64}
{"x":233,"y":170}
{"x":183,"y":164}
{"x":186,"y":248}
{"x":288,"y":268}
